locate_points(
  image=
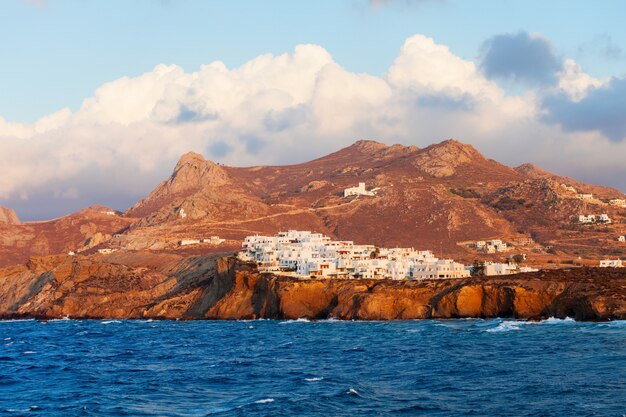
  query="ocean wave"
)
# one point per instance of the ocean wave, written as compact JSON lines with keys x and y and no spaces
{"x":264,"y":401}
{"x":315,"y":379}
{"x":110,"y":321}
{"x":507,"y":326}
{"x":299,"y":320}
{"x":554,"y":320}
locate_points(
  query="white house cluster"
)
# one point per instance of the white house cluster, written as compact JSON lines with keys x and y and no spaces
{"x":307,"y":254}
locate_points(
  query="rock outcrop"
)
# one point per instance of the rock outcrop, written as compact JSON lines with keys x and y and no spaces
{"x":144,"y":285}
{"x":8,"y":216}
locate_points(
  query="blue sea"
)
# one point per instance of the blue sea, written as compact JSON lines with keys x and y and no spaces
{"x":300,"y":368}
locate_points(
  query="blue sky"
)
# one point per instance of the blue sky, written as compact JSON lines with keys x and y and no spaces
{"x":98,"y":99}
{"x":57,"y":52}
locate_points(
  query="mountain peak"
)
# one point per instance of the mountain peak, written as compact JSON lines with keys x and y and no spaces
{"x":533,"y":171}
{"x":368,"y":146}
{"x":454,"y":147}
{"x":8,"y":216}
{"x":190,"y":158}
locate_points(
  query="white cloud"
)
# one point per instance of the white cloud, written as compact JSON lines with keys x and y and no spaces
{"x":275,"y":109}
{"x":574,"y":82}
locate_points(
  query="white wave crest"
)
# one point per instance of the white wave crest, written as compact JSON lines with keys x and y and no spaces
{"x":264,"y":401}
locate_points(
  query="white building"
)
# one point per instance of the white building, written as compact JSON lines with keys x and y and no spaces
{"x":359,"y":190}
{"x":106,"y":251}
{"x":494,"y":268}
{"x":441,"y":268}
{"x":586,"y":218}
{"x":621,"y":239}
{"x":491,"y":246}
{"x":604,"y":218}
{"x":618,"y":202}
{"x":187,"y":242}
{"x":611,"y":263}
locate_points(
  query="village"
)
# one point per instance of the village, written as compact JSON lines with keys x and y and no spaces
{"x":307,"y":254}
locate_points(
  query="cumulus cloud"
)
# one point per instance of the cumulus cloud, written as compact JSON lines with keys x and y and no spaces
{"x":521,"y":57}
{"x":284,"y":109}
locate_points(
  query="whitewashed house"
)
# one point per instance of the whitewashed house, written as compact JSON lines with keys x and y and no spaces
{"x":618,"y":202}
{"x":442,"y":268}
{"x":621,"y":239}
{"x":604,"y":218}
{"x":187,"y":242}
{"x":358,"y":190}
{"x":588,"y":218}
{"x":611,"y":263}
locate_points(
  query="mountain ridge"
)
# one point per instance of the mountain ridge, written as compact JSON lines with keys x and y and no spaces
{"x":441,"y":196}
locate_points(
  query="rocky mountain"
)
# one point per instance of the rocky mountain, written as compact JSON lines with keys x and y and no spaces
{"x":442,"y":197}
{"x":8,"y":216}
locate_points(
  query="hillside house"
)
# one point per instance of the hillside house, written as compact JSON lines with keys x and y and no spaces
{"x":491,"y":246}
{"x":187,"y":242}
{"x":442,"y":268}
{"x":358,"y":190}
{"x":586,"y":218}
{"x":621,"y":239}
{"x":611,"y":263}
{"x":618,"y":202}
{"x":604,"y":218}
{"x":494,"y":268}
{"x":584,"y":196}
{"x":569,"y":188}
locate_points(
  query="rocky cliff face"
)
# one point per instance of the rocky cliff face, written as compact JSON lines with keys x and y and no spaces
{"x":142,"y":285}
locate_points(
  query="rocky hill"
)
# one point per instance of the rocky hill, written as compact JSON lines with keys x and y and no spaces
{"x":8,"y":216}
{"x":82,"y":230}
{"x":146,"y":285}
{"x":442,"y":197}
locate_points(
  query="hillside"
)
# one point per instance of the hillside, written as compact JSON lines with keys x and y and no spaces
{"x":81,"y":230}
{"x":442,"y":197}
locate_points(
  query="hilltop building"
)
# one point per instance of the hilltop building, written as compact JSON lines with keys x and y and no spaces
{"x":359,"y":190}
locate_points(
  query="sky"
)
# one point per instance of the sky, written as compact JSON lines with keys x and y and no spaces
{"x":99,"y":99}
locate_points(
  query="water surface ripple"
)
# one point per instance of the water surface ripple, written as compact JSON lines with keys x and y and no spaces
{"x":300,"y":368}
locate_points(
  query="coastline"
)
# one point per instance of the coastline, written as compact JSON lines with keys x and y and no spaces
{"x":221,"y":288}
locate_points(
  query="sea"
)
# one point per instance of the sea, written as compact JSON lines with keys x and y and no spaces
{"x":312,"y":368}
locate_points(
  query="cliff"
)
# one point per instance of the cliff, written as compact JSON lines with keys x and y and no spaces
{"x":167,"y":286}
